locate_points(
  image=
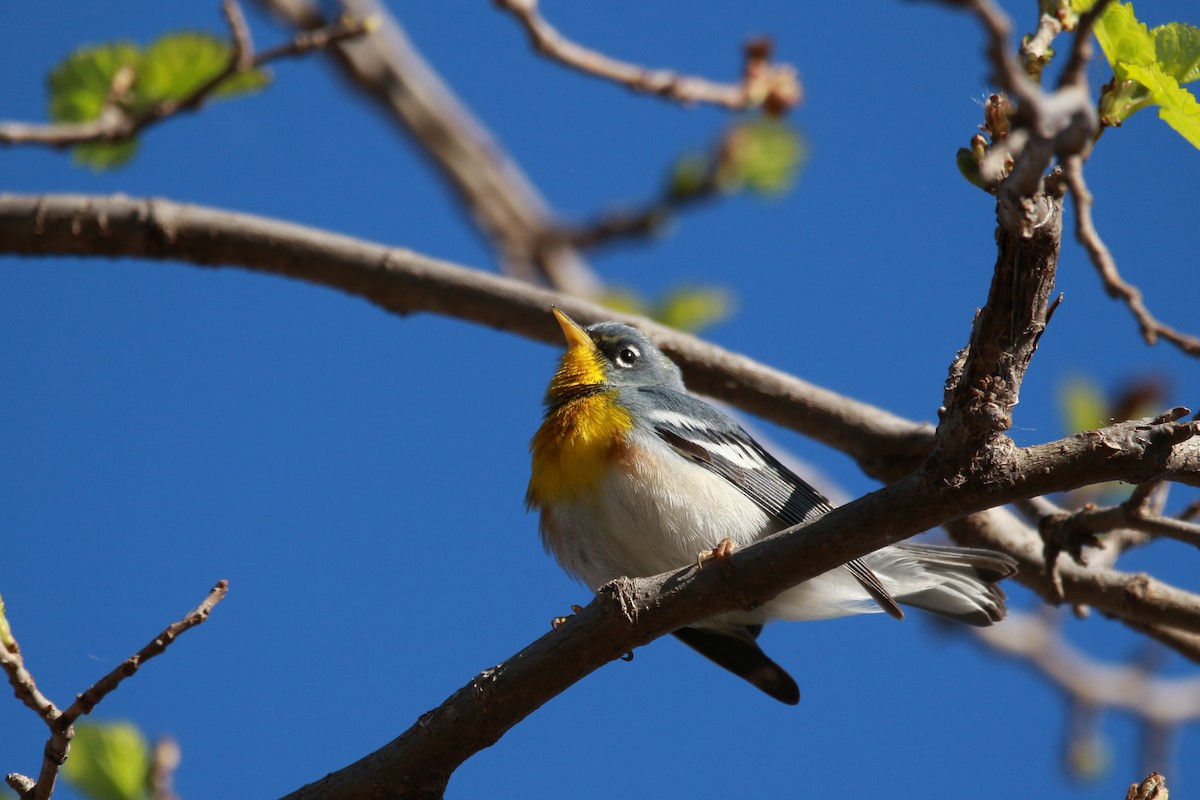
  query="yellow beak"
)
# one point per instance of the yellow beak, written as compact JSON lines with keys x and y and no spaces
{"x":575,"y":335}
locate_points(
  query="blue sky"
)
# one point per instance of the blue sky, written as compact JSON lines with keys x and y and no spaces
{"x":359,"y":478}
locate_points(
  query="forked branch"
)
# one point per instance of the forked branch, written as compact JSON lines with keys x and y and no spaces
{"x":61,"y":722}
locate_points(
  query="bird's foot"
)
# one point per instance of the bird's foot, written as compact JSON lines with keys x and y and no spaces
{"x":721,"y":552}
{"x":557,"y":621}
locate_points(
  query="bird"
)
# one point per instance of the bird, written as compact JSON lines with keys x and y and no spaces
{"x":632,"y":476}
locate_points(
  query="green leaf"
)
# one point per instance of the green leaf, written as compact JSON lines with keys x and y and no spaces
{"x":689,"y":177}
{"x":1177,"y":47}
{"x":686,"y":308}
{"x":694,"y":308}
{"x":109,"y":761}
{"x":763,"y":156}
{"x":968,"y":165}
{"x":82,"y":86}
{"x":81,"y":83}
{"x":1123,"y":38}
{"x":624,"y":301}
{"x":1083,"y":406}
{"x":1177,"y":106}
{"x":104,"y":155}
{"x":1089,"y":757}
{"x":177,"y":64}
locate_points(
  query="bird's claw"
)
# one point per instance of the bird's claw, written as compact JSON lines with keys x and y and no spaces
{"x":558,"y":621}
{"x":721,"y":552}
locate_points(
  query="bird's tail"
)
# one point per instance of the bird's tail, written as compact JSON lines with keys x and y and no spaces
{"x":958,"y":583}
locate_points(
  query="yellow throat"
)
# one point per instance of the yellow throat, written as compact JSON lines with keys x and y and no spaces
{"x":584,"y":429}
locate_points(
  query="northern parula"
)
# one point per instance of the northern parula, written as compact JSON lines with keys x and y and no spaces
{"x":633,"y":476}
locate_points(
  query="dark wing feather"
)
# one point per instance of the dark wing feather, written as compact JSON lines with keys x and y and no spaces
{"x":713,"y":439}
{"x":735,"y":650}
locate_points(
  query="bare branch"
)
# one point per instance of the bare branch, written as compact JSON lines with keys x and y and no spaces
{"x":1185,"y":643}
{"x":1035,"y":51}
{"x":19,"y":783}
{"x":390,"y":72}
{"x":115,"y":124}
{"x":628,"y":613}
{"x":1106,"y":266}
{"x":62,"y":723}
{"x":405,"y":282}
{"x":1139,"y":601}
{"x":1006,"y":71}
{"x":1075,"y":72}
{"x":243,"y":44}
{"x":775,"y":86}
{"x":87,"y":701}
{"x":22,"y":682}
{"x":1037,"y":641}
{"x":1191,"y":512}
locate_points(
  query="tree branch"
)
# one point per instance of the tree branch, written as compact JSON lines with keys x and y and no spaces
{"x":1116,"y":286}
{"x":405,"y":282}
{"x":390,"y":72}
{"x":628,"y":615}
{"x":399,"y":280}
{"x":61,"y":723}
{"x":1031,"y":637}
{"x":775,"y":86}
{"x":115,"y":124}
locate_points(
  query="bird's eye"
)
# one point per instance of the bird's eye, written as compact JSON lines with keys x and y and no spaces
{"x":627,"y":356}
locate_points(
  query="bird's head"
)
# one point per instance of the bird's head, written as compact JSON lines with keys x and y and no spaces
{"x":608,"y":355}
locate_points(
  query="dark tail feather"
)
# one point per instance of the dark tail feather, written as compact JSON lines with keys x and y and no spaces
{"x":735,"y":650}
{"x":968,"y":592}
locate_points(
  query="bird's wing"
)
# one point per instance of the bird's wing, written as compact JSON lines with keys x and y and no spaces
{"x":705,"y":436}
{"x":735,"y":650}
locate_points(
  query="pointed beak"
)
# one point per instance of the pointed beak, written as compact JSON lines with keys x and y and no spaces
{"x":575,"y":335}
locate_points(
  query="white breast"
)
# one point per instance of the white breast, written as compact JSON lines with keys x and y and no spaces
{"x":649,"y":517}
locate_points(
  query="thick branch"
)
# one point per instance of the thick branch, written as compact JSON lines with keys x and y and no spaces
{"x":389,"y":71}
{"x":405,"y":282}
{"x":630,"y":613}
{"x":980,"y":398}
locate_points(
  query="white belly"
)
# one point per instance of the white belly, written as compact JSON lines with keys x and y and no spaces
{"x":639,"y":524}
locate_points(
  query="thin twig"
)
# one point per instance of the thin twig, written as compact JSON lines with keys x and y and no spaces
{"x":775,"y":86}
{"x":22,"y":682}
{"x":1190,"y":512}
{"x":1035,"y":51}
{"x":115,"y":124}
{"x":62,"y":723}
{"x":1106,"y":266}
{"x":243,"y":43}
{"x":1075,"y":72}
{"x":85,"y":702}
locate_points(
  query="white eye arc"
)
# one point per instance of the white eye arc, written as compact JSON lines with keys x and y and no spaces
{"x":627,"y":356}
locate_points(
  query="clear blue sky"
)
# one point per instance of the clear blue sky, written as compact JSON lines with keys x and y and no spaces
{"x":359,"y":477}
